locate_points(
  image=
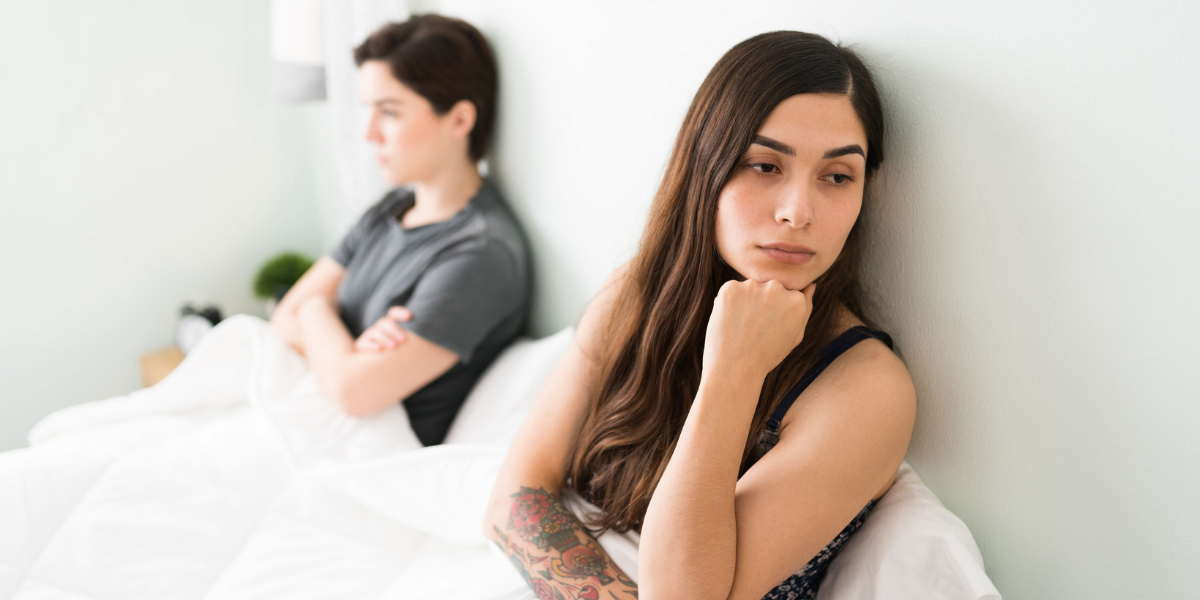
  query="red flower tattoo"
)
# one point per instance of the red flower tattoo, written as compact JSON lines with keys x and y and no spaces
{"x":529,"y":509}
{"x":540,"y":518}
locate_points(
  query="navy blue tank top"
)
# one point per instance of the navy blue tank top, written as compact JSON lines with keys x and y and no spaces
{"x":803,"y":584}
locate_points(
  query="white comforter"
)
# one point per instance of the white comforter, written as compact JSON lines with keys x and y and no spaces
{"x":237,"y":478}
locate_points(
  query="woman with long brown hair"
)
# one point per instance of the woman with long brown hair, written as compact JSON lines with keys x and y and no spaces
{"x":724,"y":395}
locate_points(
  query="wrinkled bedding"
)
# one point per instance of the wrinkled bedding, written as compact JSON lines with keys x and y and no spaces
{"x":236,"y":478}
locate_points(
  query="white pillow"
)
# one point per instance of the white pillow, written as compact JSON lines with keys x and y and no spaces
{"x":910,"y":547}
{"x":497,"y":405}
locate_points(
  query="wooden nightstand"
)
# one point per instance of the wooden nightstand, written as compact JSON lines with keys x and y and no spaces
{"x":157,"y":365}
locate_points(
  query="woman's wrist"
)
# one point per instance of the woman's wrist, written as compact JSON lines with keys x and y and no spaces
{"x":725,"y":402}
{"x":734,"y":374}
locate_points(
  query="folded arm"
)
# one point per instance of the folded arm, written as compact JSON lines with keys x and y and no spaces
{"x":322,"y":279}
{"x":362,"y":381}
{"x":709,"y":534}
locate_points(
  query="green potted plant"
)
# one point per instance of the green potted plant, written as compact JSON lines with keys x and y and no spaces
{"x":278,"y":276}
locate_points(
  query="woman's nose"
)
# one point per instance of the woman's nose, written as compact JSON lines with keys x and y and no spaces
{"x":795,"y":208}
{"x":371,"y":133}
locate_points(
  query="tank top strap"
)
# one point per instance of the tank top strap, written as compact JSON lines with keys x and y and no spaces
{"x":828,"y":354}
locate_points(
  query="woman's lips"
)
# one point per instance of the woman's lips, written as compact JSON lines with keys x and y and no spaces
{"x":792,"y":255}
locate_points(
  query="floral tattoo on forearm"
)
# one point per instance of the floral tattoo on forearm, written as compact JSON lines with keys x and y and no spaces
{"x":558,"y":558}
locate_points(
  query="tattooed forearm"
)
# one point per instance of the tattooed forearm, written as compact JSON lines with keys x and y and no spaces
{"x":555,"y":555}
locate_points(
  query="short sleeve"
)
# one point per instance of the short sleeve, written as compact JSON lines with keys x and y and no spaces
{"x":352,"y":241}
{"x":358,"y":235}
{"x":461,"y":298}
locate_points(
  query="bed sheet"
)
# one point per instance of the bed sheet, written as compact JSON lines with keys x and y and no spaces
{"x":236,"y":478}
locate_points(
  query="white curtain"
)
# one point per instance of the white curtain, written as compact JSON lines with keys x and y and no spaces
{"x":312,"y":42}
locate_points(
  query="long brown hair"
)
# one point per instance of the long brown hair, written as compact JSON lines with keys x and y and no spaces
{"x":650,"y":365}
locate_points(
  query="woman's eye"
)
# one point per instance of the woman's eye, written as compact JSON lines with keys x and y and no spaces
{"x":840,"y":179}
{"x":764,"y":167}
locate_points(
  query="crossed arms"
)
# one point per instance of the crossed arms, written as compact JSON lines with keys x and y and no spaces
{"x":363,"y":378}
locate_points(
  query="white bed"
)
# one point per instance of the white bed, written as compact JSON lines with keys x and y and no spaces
{"x":235,"y":478}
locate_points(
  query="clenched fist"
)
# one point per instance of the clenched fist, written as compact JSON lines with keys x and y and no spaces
{"x":754,"y":326}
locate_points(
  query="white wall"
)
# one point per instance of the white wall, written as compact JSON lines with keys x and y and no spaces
{"x":1034,"y":247}
{"x":142,"y":164}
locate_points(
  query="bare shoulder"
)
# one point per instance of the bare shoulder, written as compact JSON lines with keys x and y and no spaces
{"x":868,"y":376}
{"x":878,"y":369}
{"x":868,"y":379}
{"x":865,"y":403}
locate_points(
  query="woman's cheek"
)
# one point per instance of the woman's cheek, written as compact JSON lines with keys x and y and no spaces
{"x":728,"y":231}
{"x":403,"y":138}
{"x":739,"y":253}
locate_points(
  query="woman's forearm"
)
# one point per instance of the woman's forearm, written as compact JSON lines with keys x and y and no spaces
{"x":322,"y":280}
{"x":327,"y":342}
{"x":689,"y":535}
{"x":286,"y":318}
{"x":283,"y":320}
{"x":552,"y":551}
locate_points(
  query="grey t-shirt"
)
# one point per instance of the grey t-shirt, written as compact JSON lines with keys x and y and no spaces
{"x":466,"y":281}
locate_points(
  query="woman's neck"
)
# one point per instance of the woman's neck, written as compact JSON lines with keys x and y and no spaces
{"x":443,"y":195}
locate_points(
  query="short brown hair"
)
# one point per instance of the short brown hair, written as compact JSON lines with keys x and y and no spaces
{"x":444,"y":60}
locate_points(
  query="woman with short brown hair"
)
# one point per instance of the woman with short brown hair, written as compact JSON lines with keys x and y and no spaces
{"x":433,"y":282}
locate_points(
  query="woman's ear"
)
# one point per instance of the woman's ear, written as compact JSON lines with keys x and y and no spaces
{"x":462,"y":118}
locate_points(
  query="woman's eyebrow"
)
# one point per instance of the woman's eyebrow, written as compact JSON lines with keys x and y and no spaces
{"x":386,"y":101}
{"x":775,"y":145}
{"x":844,"y":150}
{"x":783,"y":148}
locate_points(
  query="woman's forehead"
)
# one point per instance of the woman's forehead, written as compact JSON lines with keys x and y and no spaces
{"x":377,"y":82}
{"x":815,"y":123}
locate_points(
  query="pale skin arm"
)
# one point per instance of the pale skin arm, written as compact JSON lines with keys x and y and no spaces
{"x":384,"y":366}
{"x":322,"y":279}
{"x":365,"y":381}
{"x":533,"y":474}
{"x":708,"y":534}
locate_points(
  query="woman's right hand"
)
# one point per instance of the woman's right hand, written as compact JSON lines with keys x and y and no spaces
{"x":754,"y":326}
{"x":386,"y":333}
